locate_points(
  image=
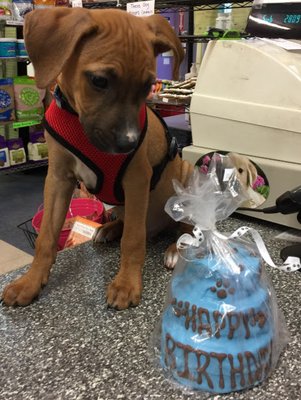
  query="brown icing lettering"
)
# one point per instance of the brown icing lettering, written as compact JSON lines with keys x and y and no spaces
{"x":237,"y":370}
{"x":170,"y":346}
{"x":233,"y":326}
{"x":255,"y":366}
{"x":198,"y":319}
{"x":245,"y":320}
{"x":262,"y":363}
{"x":252,"y":360}
{"x":261,"y":319}
{"x":258,"y":317}
{"x":203,"y":313}
{"x":186,"y":350}
{"x":266,"y":358}
{"x":193,"y":319}
{"x":185,"y":312}
{"x":201,"y":369}
{"x":220,"y":358}
{"x":218,"y":325}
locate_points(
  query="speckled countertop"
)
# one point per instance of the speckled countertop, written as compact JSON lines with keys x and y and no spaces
{"x":69,"y":345}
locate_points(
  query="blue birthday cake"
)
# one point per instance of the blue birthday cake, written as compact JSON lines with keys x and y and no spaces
{"x":217,"y":329}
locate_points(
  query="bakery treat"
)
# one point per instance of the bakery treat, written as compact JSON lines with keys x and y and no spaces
{"x":217,"y":329}
{"x":179,"y":92}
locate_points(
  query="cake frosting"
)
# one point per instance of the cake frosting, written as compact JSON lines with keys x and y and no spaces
{"x":217,"y":328}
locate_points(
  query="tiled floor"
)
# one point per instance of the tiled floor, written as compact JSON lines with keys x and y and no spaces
{"x":12,"y":258}
{"x":20,"y":196}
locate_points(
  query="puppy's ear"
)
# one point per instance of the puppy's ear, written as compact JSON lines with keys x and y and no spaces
{"x":50,"y":38}
{"x":252,"y":173}
{"x":165,"y":39}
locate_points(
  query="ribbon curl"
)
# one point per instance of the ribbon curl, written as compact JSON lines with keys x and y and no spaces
{"x":186,"y":241}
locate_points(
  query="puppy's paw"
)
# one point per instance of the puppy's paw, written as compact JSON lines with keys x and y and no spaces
{"x":109,"y":231}
{"x":21,"y":292}
{"x":171,"y":256}
{"x":123,"y":293}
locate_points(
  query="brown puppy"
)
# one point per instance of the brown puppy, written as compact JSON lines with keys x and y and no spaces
{"x":104,"y":62}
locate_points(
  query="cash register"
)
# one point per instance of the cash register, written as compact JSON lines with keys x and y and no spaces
{"x":247,"y":100}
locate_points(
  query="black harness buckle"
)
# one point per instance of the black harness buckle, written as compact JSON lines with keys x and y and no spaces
{"x":173,"y":149}
{"x":61,"y":100}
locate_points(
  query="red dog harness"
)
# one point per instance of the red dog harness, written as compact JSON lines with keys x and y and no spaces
{"x":63,"y":124}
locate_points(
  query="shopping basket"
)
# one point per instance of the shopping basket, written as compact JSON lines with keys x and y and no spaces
{"x":84,"y":207}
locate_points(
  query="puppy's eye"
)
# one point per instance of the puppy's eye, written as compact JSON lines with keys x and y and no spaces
{"x":100,"y":82}
{"x":240,"y":170}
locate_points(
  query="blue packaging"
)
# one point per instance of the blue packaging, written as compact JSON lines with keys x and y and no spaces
{"x":7,"y":103}
{"x":21,"y":50}
{"x":8,"y":47}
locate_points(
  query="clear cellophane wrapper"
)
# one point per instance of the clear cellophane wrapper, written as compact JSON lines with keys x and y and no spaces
{"x":220,"y":329}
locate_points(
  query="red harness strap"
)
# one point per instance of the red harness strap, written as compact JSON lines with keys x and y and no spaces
{"x":109,"y":168}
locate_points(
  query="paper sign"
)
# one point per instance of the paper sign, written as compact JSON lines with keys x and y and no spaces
{"x":77,"y":3}
{"x":141,"y":8}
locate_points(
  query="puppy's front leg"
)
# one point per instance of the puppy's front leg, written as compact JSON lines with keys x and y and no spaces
{"x":57,"y":194}
{"x":126,"y":288}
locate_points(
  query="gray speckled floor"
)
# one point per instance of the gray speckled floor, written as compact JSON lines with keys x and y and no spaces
{"x":69,"y":345}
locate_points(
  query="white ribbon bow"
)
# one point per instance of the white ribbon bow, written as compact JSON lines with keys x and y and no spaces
{"x":291,"y":264}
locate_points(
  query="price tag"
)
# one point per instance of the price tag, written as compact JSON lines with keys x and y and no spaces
{"x":77,"y":3}
{"x":141,"y":8}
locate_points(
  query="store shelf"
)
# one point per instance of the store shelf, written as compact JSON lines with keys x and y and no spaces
{"x":199,"y":5}
{"x":19,"y":59}
{"x":174,"y":5}
{"x":13,"y":22}
{"x":24,"y":167}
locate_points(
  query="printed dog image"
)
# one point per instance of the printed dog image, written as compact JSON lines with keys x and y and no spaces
{"x":250,"y":175}
{"x":100,"y":132}
{"x":247,"y":174}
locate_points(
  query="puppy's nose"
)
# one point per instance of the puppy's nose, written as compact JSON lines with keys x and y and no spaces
{"x":128,"y":142}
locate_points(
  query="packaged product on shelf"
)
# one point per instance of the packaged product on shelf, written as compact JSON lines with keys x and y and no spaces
{"x":43,"y":3}
{"x":16,"y":151}
{"x":8,"y":47}
{"x":37,"y":146}
{"x":20,"y":8}
{"x":10,"y":32}
{"x":28,"y":98}
{"x":11,"y":132}
{"x":7,"y":103}
{"x":4,"y":156}
{"x":62,"y":3}
{"x":11,"y":68}
{"x":21,"y":49}
{"x":5,"y":9}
